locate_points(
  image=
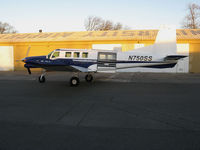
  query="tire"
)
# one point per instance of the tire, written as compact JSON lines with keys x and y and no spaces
{"x":74,"y":81}
{"x":89,"y":78}
{"x":41,"y":79}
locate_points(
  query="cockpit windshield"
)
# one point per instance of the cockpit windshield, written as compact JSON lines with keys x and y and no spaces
{"x":49,"y":55}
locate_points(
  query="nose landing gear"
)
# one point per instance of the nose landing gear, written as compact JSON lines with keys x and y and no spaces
{"x":41,"y":79}
{"x":74,"y":81}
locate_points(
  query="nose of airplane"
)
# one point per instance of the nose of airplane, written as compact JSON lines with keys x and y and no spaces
{"x":24,"y":60}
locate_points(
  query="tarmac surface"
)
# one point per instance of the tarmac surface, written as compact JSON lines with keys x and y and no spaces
{"x":122,"y":111}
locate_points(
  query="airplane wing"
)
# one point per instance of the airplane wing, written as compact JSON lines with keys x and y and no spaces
{"x":81,"y":69}
{"x":64,"y":68}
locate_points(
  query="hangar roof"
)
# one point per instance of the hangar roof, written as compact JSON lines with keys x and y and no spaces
{"x":182,"y":34}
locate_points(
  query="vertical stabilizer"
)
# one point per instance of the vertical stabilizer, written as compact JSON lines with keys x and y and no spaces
{"x":165,"y":43}
{"x":166,"y":34}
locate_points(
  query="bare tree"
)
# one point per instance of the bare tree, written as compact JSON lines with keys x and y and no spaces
{"x":127,"y":28}
{"x":192,"y":19}
{"x":106,"y":25}
{"x":94,"y":23}
{"x":118,"y":26}
{"x":6,"y":28}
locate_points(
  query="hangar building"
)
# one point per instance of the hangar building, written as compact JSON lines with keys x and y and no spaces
{"x":13,"y":47}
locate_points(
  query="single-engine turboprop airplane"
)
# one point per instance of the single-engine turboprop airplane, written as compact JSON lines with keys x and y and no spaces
{"x":163,"y":54}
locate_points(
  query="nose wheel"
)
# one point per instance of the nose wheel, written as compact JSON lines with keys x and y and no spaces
{"x":74,"y":81}
{"x":41,"y":79}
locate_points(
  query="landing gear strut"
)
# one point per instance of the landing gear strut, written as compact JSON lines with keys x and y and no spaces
{"x":89,"y":78}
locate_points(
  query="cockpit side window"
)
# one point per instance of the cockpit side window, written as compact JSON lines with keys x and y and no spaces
{"x":55,"y":55}
{"x":49,"y":55}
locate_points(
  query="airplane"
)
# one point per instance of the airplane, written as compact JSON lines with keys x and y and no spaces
{"x":162,"y":54}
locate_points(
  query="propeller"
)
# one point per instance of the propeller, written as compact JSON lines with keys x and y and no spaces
{"x":28,"y":69}
{"x":27,"y":53}
{"x":29,"y":47}
{"x":24,"y":59}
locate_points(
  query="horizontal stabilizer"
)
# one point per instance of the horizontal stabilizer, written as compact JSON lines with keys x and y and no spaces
{"x":174,"y":57}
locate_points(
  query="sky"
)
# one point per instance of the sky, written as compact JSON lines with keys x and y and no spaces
{"x":28,"y":16}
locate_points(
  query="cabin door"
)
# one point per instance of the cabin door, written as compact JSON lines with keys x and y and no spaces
{"x":106,"y":62}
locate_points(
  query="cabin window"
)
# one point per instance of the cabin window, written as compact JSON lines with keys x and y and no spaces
{"x":106,"y":56}
{"x":68,"y":54}
{"x":102,"y":56}
{"x":84,"y":55}
{"x":76,"y":54}
{"x":55,"y":54}
{"x":111,"y":57}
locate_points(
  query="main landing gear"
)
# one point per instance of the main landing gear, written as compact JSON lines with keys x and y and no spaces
{"x":88,"y":78}
{"x":74,"y":81}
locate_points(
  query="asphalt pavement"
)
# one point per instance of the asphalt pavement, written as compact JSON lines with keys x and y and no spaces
{"x":122,"y":111}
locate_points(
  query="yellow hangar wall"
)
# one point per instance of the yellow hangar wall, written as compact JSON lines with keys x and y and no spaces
{"x":194,"y":57}
{"x":43,"y":43}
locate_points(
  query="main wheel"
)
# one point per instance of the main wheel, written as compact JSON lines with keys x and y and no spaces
{"x":89,"y":78}
{"x":74,"y":81}
{"x":41,"y":79}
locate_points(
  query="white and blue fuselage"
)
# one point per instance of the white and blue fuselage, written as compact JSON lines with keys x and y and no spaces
{"x":80,"y":60}
{"x":162,"y":54}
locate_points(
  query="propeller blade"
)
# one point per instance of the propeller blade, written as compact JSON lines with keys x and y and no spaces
{"x":28,"y":51}
{"x":18,"y":60}
{"x":29,"y":70}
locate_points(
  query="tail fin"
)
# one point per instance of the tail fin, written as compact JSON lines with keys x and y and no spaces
{"x":166,"y":34}
{"x":166,"y":41}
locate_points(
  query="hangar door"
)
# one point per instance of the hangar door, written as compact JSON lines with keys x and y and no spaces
{"x":6,"y":58}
